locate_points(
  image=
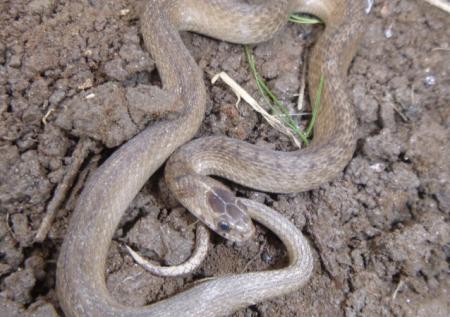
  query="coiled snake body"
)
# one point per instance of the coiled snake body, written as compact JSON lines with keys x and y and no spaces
{"x":80,"y":272}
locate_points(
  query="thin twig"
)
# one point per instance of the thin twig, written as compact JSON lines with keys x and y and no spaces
{"x":444,"y":49}
{"x":260,"y":251}
{"x":81,"y":180}
{"x":47,"y":114}
{"x":79,"y":154}
{"x":301,"y":92}
{"x":11,"y":231}
{"x":241,"y":93}
{"x":397,"y":289}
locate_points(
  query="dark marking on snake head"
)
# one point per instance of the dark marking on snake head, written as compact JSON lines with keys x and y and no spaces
{"x":219,"y":198}
{"x":216,"y":203}
{"x":234,"y":211}
{"x":225,"y":195}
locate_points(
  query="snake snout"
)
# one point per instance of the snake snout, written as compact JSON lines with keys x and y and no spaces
{"x":236,"y":229}
{"x":235,"y":224}
{"x":244,"y":229}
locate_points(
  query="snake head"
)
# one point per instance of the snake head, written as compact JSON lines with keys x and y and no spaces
{"x":230,"y":219}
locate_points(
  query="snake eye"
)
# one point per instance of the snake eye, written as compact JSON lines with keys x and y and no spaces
{"x":224,"y":226}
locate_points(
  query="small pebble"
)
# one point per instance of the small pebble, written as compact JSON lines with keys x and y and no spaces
{"x":430,"y":80}
{"x":266,"y":257}
{"x":388,"y":32}
{"x":369,"y":6}
{"x":57,"y":96}
{"x":378,"y":167}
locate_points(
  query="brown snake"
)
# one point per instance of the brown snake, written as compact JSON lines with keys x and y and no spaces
{"x":80,"y":272}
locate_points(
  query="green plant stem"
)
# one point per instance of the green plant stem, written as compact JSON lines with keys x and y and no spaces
{"x":316,"y":106}
{"x":275,"y":104}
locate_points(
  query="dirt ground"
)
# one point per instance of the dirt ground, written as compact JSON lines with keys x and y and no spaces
{"x":380,"y":232}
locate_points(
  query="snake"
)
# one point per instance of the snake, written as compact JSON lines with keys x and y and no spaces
{"x":80,"y":274}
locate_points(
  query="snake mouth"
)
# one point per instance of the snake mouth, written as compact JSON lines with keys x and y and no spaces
{"x":246,"y":230}
{"x":236,"y":232}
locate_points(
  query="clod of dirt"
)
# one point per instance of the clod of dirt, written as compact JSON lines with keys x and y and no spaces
{"x":282,"y":65}
{"x":9,"y":308}
{"x":116,"y":70}
{"x":366,"y":107}
{"x":38,"y":92}
{"x":100,"y":114}
{"x":113,"y":114}
{"x":369,"y":290}
{"x":21,"y":228}
{"x":41,"y":310}
{"x":36,"y":264}
{"x":41,"y":6}
{"x":402,"y":178}
{"x":22,"y":181}
{"x":146,"y":103}
{"x":411,"y":250}
{"x":135,"y":58}
{"x":383,"y":146}
{"x":153,"y":239}
{"x":52,"y":142}
{"x":11,"y":256}
{"x":429,"y":152}
{"x":17,"y":286}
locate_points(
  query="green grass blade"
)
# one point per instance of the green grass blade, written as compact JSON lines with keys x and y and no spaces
{"x":315,"y":107}
{"x":274,"y":103}
{"x":299,"y":19}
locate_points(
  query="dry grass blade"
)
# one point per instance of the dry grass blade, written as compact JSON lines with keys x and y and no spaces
{"x":242,"y":94}
{"x":441,"y":4}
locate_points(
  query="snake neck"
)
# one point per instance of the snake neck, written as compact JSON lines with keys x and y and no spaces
{"x":177,"y":68}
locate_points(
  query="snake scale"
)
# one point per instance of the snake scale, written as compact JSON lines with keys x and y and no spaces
{"x":80,"y":280}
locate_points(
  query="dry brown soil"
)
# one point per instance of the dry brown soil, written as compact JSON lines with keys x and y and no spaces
{"x":380,"y":232}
